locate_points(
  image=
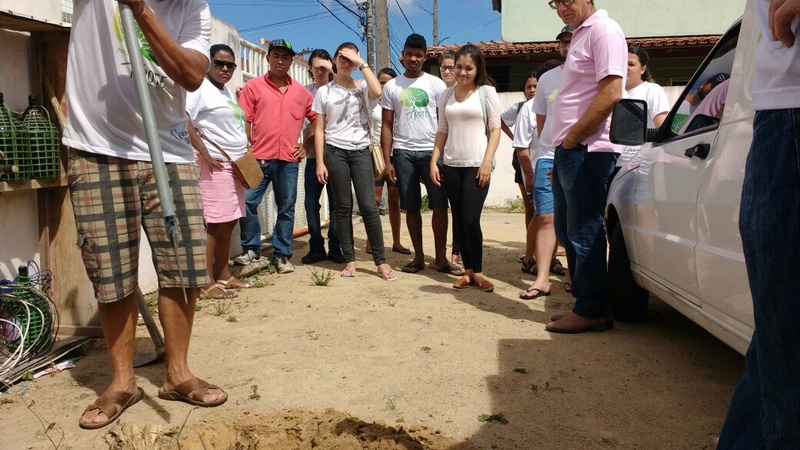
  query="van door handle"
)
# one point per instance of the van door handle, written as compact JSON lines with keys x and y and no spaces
{"x":699,"y":150}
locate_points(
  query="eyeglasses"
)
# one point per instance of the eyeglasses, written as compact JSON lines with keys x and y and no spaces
{"x":344,"y":60}
{"x":447,"y":68}
{"x":554,"y":3}
{"x":220,"y":63}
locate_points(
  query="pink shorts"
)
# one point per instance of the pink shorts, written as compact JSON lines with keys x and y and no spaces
{"x":223,"y":194}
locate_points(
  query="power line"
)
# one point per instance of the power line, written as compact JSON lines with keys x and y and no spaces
{"x":337,"y":18}
{"x":281,"y":3}
{"x":467,"y":31}
{"x":422,"y":7}
{"x":287,"y":22}
{"x":396,"y":23}
{"x":404,"y":15}
{"x":358,"y":16}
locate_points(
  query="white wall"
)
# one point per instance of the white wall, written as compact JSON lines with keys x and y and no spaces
{"x":534,"y":21}
{"x":503,"y":189}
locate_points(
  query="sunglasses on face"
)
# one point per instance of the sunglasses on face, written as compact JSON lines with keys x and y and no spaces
{"x":344,"y":60}
{"x":554,"y":3}
{"x":447,"y":68}
{"x":220,"y":63}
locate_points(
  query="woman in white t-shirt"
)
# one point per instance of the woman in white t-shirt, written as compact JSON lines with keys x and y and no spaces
{"x":639,"y":86}
{"x":342,"y":142}
{"x":215,"y":113}
{"x":468,"y":134}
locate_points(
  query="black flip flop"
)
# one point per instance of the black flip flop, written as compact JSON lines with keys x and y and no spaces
{"x":401,"y":250}
{"x":539,"y":293}
{"x":413,"y":268}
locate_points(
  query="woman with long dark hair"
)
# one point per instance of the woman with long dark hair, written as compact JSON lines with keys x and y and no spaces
{"x":342,"y":141}
{"x":469,"y":131}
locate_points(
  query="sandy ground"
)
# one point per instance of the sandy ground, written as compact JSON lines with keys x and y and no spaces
{"x":364,"y":363}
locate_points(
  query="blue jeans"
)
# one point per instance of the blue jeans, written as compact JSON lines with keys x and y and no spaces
{"x":579,"y":196}
{"x":283,"y":176}
{"x":313,"y":192}
{"x":765,"y":410}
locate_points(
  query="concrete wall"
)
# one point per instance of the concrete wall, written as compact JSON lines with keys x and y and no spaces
{"x":528,"y":21}
{"x":49,"y":10}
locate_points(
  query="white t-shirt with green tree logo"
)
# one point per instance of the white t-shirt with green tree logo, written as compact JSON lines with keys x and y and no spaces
{"x":413,"y":101}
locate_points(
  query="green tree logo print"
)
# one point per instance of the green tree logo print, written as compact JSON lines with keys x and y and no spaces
{"x":238,"y":114}
{"x":144,"y":46}
{"x":413,"y":99}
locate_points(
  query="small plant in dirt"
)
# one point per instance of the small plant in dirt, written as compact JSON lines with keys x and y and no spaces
{"x":321,"y":277}
{"x":426,"y":349}
{"x":515,"y":206}
{"x":499,"y":417}
{"x":254,"y":395}
{"x":152,"y":302}
{"x":232,"y":319}
{"x":425,"y":204}
{"x":198,"y":307}
{"x":271,"y":268}
{"x":535,"y":387}
{"x":391,"y":302}
{"x":5,"y":401}
{"x":222,"y":307}
{"x":521,"y":370}
{"x":391,"y":404}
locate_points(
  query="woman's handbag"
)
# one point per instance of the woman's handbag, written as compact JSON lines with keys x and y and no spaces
{"x":378,"y":163}
{"x":246,"y":167}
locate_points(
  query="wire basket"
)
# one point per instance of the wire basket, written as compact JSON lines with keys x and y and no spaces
{"x":10,"y":145}
{"x":40,"y":137}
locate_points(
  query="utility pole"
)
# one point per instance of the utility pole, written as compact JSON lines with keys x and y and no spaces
{"x":382,"y":34}
{"x":435,"y":22}
{"x":369,"y":33}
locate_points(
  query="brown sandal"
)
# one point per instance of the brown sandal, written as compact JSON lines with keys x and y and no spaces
{"x":105,"y":403}
{"x":192,"y":392}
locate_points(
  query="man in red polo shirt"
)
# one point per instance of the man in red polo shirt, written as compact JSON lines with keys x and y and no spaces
{"x":274,"y":106}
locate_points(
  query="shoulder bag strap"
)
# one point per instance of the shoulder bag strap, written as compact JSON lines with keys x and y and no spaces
{"x":482,"y":97}
{"x":367,"y":113}
{"x":203,"y":136}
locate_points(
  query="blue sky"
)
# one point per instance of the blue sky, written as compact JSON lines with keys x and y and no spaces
{"x":308,"y":25}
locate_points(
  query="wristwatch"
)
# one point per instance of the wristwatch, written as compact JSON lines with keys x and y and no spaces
{"x":363,"y":66}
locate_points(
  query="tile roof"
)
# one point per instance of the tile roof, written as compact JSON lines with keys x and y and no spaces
{"x":505,"y":48}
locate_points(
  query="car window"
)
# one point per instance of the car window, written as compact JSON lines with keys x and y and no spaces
{"x":701,"y":104}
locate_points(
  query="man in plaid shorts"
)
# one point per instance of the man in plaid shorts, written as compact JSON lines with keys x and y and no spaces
{"x":113,"y":190}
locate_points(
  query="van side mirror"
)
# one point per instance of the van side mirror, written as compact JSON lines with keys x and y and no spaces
{"x":629,"y":122}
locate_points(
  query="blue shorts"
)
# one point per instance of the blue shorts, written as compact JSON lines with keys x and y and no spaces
{"x":411,"y":167}
{"x":542,"y":189}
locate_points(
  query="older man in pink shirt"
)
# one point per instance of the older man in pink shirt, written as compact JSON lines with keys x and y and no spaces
{"x":275,"y":106}
{"x":593,"y":81}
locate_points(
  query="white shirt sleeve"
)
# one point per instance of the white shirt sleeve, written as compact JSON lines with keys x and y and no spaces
{"x":526,"y":127}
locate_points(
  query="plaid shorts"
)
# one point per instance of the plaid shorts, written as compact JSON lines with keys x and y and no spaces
{"x":113,"y":199}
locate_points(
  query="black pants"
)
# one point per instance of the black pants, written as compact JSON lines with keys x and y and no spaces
{"x":466,"y":201}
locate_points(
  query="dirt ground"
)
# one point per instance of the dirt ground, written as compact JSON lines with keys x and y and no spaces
{"x":409,"y":364}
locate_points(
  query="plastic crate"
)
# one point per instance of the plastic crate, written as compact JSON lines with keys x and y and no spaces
{"x":40,"y":139}
{"x":10,"y":144}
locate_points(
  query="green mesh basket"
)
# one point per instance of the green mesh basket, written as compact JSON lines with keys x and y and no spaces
{"x":14,"y":159}
{"x":40,"y":138}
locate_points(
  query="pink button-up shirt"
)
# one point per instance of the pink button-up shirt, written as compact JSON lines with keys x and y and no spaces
{"x":598,"y":49}
{"x":276,"y":117}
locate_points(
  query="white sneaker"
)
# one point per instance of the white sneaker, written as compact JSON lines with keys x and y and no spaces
{"x":283,"y":265}
{"x":247,"y":257}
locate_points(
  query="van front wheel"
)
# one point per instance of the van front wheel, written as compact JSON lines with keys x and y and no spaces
{"x":628,"y":300}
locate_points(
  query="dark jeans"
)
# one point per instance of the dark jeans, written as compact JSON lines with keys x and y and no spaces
{"x":283,"y":176}
{"x":313,"y":190}
{"x":466,"y":202}
{"x":344,"y":167}
{"x":580,"y":181}
{"x":765,"y":410}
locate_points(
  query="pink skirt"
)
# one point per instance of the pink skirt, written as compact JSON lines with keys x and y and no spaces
{"x":223,"y":194}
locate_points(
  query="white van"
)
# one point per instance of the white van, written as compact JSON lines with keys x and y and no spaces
{"x":672,"y":212}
